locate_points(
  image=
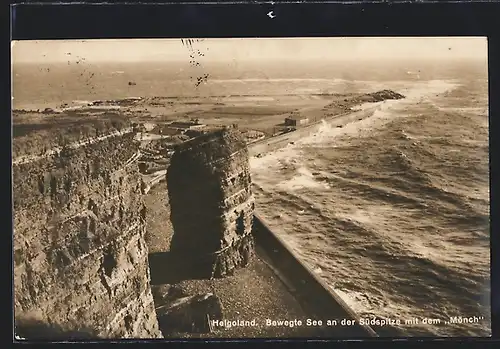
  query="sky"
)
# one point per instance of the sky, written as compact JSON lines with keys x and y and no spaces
{"x":251,"y":49}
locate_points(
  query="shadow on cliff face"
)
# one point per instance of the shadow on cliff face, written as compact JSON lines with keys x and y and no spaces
{"x":171,"y":268}
{"x":31,"y":329}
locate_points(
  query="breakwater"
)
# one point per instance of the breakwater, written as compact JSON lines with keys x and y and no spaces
{"x":273,"y":143}
{"x":309,"y":289}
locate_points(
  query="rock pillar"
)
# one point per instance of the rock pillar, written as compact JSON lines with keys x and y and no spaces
{"x":211,"y":203}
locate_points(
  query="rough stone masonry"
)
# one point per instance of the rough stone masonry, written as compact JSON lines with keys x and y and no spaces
{"x":211,"y":203}
{"x":81,"y":261}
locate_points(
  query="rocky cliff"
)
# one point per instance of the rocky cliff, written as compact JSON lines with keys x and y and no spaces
{"x":81,"y":262}
{"x":211,"y":203}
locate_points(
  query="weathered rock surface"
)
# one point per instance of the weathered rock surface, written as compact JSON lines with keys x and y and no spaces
{"x":190,"y":314}
{"x":81,"y":261}
{"x":211,"y":203}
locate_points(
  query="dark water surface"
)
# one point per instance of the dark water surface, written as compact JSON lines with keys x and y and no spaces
{"x":393,"y":211}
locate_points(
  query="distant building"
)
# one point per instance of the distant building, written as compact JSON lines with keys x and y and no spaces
{"x":296,"y":120}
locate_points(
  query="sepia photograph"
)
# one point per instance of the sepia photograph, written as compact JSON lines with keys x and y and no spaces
{"x":333,"y":187}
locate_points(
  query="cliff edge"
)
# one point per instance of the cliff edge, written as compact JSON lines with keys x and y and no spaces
{"x":80,"y":258}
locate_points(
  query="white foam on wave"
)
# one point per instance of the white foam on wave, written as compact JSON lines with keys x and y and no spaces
{"x":271,"y":161}
{"x":417,"y":92}
{"x":385,"y":112}
{"x":302,"y":179}
{"x":282,"y":161}
{"x":367,"y":305}
{"x":357,"y":301}
{"x":329,"y":135}
{"x":382,"y":221}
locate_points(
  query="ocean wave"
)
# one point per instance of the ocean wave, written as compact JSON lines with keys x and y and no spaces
{"x":274,"y":160}
{"x":303,"y":179}
{"x":398,"y":201}
{"x":376,"y":255}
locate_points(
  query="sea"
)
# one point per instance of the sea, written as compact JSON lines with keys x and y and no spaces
{"x":392,"y":211}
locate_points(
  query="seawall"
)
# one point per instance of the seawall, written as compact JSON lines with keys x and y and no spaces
{"x":306,"y":286}
{"x":274,"y":143}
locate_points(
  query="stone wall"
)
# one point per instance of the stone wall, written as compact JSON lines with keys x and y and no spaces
{"x":80,"y":258}
{"x":211,"y":203}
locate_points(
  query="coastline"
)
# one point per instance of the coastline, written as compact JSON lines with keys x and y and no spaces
{"x":307,"y":297}
{"x":296,"y":278}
